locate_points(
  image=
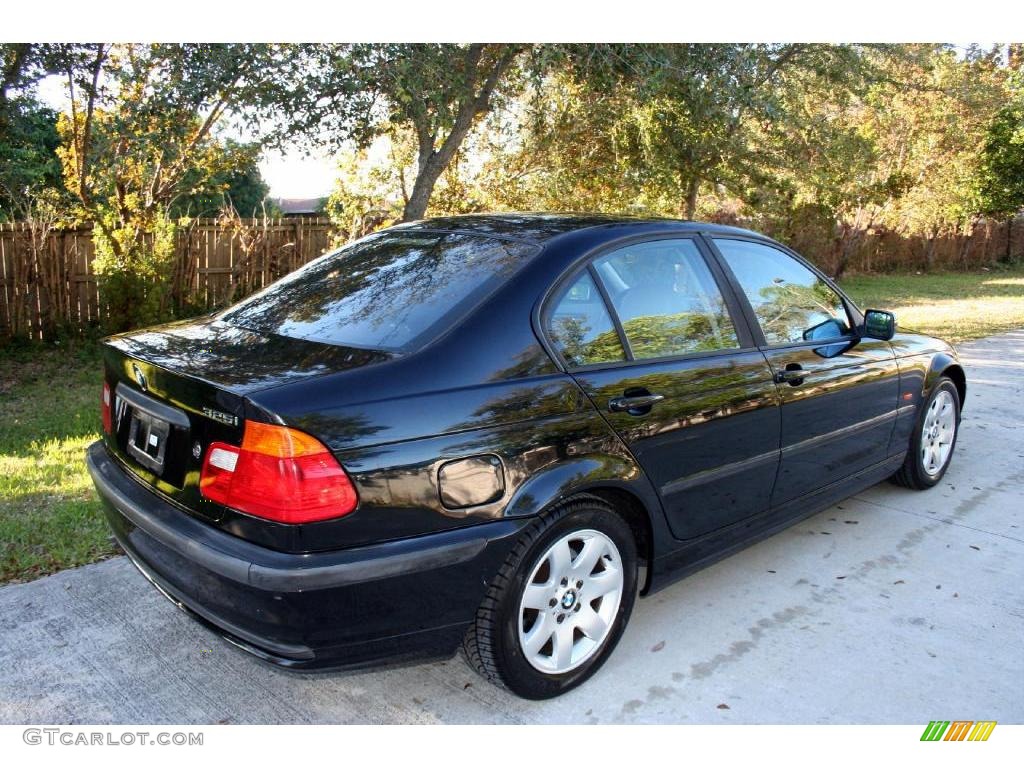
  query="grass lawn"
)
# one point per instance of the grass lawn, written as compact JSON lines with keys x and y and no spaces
{"x":955,"y":306}
{"x":50,"y":518}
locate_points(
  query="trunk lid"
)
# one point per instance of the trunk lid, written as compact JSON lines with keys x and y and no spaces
{"x":178,"y":387}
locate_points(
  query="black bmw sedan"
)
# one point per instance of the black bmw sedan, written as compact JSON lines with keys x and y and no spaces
{"x":495,"y":432}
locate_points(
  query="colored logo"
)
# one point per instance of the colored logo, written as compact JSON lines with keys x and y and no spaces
{"x":958,"y":730}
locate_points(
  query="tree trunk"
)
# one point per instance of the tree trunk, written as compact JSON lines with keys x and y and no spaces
{"x":848,"y":244}
{"x":929,"y":252}
{"x":691,"y":185}
{"x":432,"y":159}
{"x":1009,"y":240}
{"x":844,"y":258}
{"x":419,"y":198}
{"x":965,"y":250}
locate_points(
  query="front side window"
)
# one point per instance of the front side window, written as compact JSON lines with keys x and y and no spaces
{"x":580,"y":326}
{"x":792,"y":303}
{"x":666,"y":299}
{"x":392,"y":291}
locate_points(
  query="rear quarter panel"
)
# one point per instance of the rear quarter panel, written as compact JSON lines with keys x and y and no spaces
{"x":546,"y":435}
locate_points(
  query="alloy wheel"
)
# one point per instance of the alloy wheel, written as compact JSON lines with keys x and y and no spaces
{"x":937,"y":433}
{"x":570,"y":601}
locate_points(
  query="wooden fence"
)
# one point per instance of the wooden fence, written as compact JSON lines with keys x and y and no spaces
{"x":52,"y":287}
{"x":48,"y":289}
{"x":885,"y":250}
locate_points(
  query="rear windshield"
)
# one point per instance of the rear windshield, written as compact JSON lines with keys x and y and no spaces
{"x":393,"y":291}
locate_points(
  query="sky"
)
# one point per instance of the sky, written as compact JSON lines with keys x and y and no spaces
{"x":295,"y":174}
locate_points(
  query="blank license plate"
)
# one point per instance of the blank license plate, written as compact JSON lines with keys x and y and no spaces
{"x":147,"y":440}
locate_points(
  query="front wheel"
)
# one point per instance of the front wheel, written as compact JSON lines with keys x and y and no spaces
{"x":559,"y":604}
{"x":933,"y":439}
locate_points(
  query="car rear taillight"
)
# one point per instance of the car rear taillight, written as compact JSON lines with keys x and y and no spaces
{"x":105,"y":410}
{"x":279,"y":474}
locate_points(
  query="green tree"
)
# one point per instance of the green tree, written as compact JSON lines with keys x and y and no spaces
{"x":29,"y":168}
{"x":237,"y":184}
{"x":896,"y":147}
{"x":340,"y":94}
{"x":21,"y":66}
{"x":819,"y":182}
{"x":561,"y":149}
{"x":28,"y":157}
{"x":691,"y":109}
{"x":1001,"y":168}
{"x":929,"y":125}
{"x":1000,"y":180}
{"x":140,"y":135}
{"x":649,"y":128}
{"x":1001,"y":171}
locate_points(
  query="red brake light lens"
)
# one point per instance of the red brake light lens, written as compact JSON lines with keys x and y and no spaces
{"x":279,"y":474}
{"x":105,"y":410}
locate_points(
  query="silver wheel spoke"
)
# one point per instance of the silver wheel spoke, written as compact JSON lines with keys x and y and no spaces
{"x":561,"y":560}
{"x":563,"y":642}
{"x":537,"y":596}
{"x":601,"y":584}
{"x":539,"y":634}
{"x":591,"y":624}
{"x":588,"y":557}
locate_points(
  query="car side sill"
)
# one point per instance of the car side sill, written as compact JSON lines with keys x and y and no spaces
{"x":674,"y":565}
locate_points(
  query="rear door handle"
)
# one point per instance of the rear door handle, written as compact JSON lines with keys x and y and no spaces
{"x":633,"y":403}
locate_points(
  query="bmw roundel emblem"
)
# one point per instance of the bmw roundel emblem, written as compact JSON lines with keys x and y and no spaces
{"x":139,"y":376}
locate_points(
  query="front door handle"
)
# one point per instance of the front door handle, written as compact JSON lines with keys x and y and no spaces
{"x":793,"y":374}
{"x":636,"y":405}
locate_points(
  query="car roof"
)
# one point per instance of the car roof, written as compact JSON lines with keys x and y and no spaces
{"x":540,"y":227}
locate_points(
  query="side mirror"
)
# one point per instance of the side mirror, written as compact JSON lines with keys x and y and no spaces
{"x":879,"y":324}
{"x":827,"y":330}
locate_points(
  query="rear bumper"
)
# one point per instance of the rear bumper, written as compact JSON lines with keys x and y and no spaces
{"x":401,"y":599}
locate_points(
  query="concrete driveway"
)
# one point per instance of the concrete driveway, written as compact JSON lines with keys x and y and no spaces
{"x":892,"y":607}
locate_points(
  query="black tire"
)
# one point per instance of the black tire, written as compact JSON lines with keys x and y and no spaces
{"x":912,"y":474}
{"x":492,"y":643}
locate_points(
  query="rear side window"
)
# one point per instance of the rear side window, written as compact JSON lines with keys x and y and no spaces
{"x":393,"y":291}
{"x":792,"y":303}
{"x":580,"y":326}
{"x":666,"y":299}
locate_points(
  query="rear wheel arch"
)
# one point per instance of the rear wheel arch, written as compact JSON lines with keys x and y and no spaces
{"x":632,"y":509}
{"x":549,"y":491}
